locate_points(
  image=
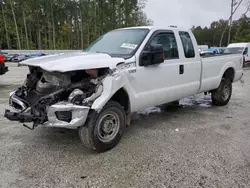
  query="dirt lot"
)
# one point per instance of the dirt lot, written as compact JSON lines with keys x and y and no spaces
{"x":194,"y":145}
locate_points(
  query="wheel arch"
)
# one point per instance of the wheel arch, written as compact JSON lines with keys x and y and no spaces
{"x":229,"y":73}
{"x":121,"y":96}
{"x":114,"y":88}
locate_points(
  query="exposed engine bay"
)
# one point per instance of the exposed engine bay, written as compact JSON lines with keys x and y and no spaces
{"x":58,"y":99}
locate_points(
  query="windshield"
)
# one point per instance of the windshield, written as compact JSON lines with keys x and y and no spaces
{"x":119,"y":42}
{"x":234,"y":50}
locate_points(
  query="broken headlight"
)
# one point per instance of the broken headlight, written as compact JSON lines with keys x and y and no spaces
{"x":76,"y":96}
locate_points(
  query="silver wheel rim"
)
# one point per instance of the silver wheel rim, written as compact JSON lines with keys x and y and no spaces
{"x":225,"y":92}
{"x":108,"y":127}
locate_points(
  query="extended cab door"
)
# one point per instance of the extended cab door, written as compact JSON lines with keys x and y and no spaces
{"x":176,"y":78}
{"x":191,"y":61}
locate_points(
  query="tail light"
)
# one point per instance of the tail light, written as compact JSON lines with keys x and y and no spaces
{"x":2,"y":59}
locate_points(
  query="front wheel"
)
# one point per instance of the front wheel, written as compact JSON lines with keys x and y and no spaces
{"x":104,"y":130}
{"x":222,"y":95}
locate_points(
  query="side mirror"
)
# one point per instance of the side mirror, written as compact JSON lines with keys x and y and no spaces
{"x":152,"y":55}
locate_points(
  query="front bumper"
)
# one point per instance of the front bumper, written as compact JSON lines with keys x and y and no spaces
{"x":62,"y":114}
{"x":78,"y":115}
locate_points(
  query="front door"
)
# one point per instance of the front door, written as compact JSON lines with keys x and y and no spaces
{"x":177,"y":77}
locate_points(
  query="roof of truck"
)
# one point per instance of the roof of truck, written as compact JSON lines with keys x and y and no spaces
{"x":156,"y":28}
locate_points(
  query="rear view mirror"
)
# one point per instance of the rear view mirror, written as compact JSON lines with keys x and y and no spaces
{"x":153,"y":54}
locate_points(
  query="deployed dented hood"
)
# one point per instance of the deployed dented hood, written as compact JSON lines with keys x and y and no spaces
{"x":65,"y":62}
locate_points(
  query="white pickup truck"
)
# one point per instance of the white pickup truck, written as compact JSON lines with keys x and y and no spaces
{"x":123,"y":71}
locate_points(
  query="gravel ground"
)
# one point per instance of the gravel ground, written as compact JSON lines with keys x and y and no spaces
{"x":194,"y":145}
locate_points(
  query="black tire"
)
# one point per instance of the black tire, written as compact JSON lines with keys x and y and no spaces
{"x":174,"y":103}
{"x":222,"y":95}
{"x":91,"y":133}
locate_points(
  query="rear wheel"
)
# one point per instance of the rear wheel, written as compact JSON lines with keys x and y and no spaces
{"x":222,"y":95}
{"x":104,"y":130}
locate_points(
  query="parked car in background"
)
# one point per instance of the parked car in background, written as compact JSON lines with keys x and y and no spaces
{"x":9,"y":57}
{"x":212,"y":50}
{"x":20,"y":58}
{"x":239,"y":48}
{"x":222,"y":49}
{"x":216,"y":50}
{"x":5,"y":54}
{"x":3,"y":67}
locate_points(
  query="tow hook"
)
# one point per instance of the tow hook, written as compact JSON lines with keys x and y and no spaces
{"x":22,"y":117}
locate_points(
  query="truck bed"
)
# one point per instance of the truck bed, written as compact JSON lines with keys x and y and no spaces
{"x":215,"y":55}
{"x":214,"y":66}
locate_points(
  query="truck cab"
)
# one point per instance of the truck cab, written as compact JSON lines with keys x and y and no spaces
{"x":123,"y":71}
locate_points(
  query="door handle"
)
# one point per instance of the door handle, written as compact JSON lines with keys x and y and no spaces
{"x":181,"y":69}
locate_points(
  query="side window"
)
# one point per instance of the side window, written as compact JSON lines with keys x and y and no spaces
{"x":168,"y":41}
{"x":187,"y":44}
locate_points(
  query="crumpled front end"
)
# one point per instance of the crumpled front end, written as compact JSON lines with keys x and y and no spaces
{"x":55,"y":99}
{"x":62,"y":114}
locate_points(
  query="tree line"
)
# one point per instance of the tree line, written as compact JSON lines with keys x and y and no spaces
{"x":211,"y":36}
{"x":222,"y":32}
{"x":64,"y":24}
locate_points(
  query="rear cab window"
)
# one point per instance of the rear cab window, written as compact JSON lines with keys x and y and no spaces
{"x":187,"y":44}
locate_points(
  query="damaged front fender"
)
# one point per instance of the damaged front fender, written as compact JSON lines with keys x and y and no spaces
{"x":111,"y":84}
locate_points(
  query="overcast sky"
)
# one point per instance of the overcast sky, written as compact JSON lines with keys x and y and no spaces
{"x":186,"y":13}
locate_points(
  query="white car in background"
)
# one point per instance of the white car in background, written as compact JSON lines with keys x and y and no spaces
{"x":239,"y":48}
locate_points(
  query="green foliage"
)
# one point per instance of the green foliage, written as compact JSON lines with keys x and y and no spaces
{"x":65,"y":24}
{"x":211,"y":36}
{"x":243,"y":30}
